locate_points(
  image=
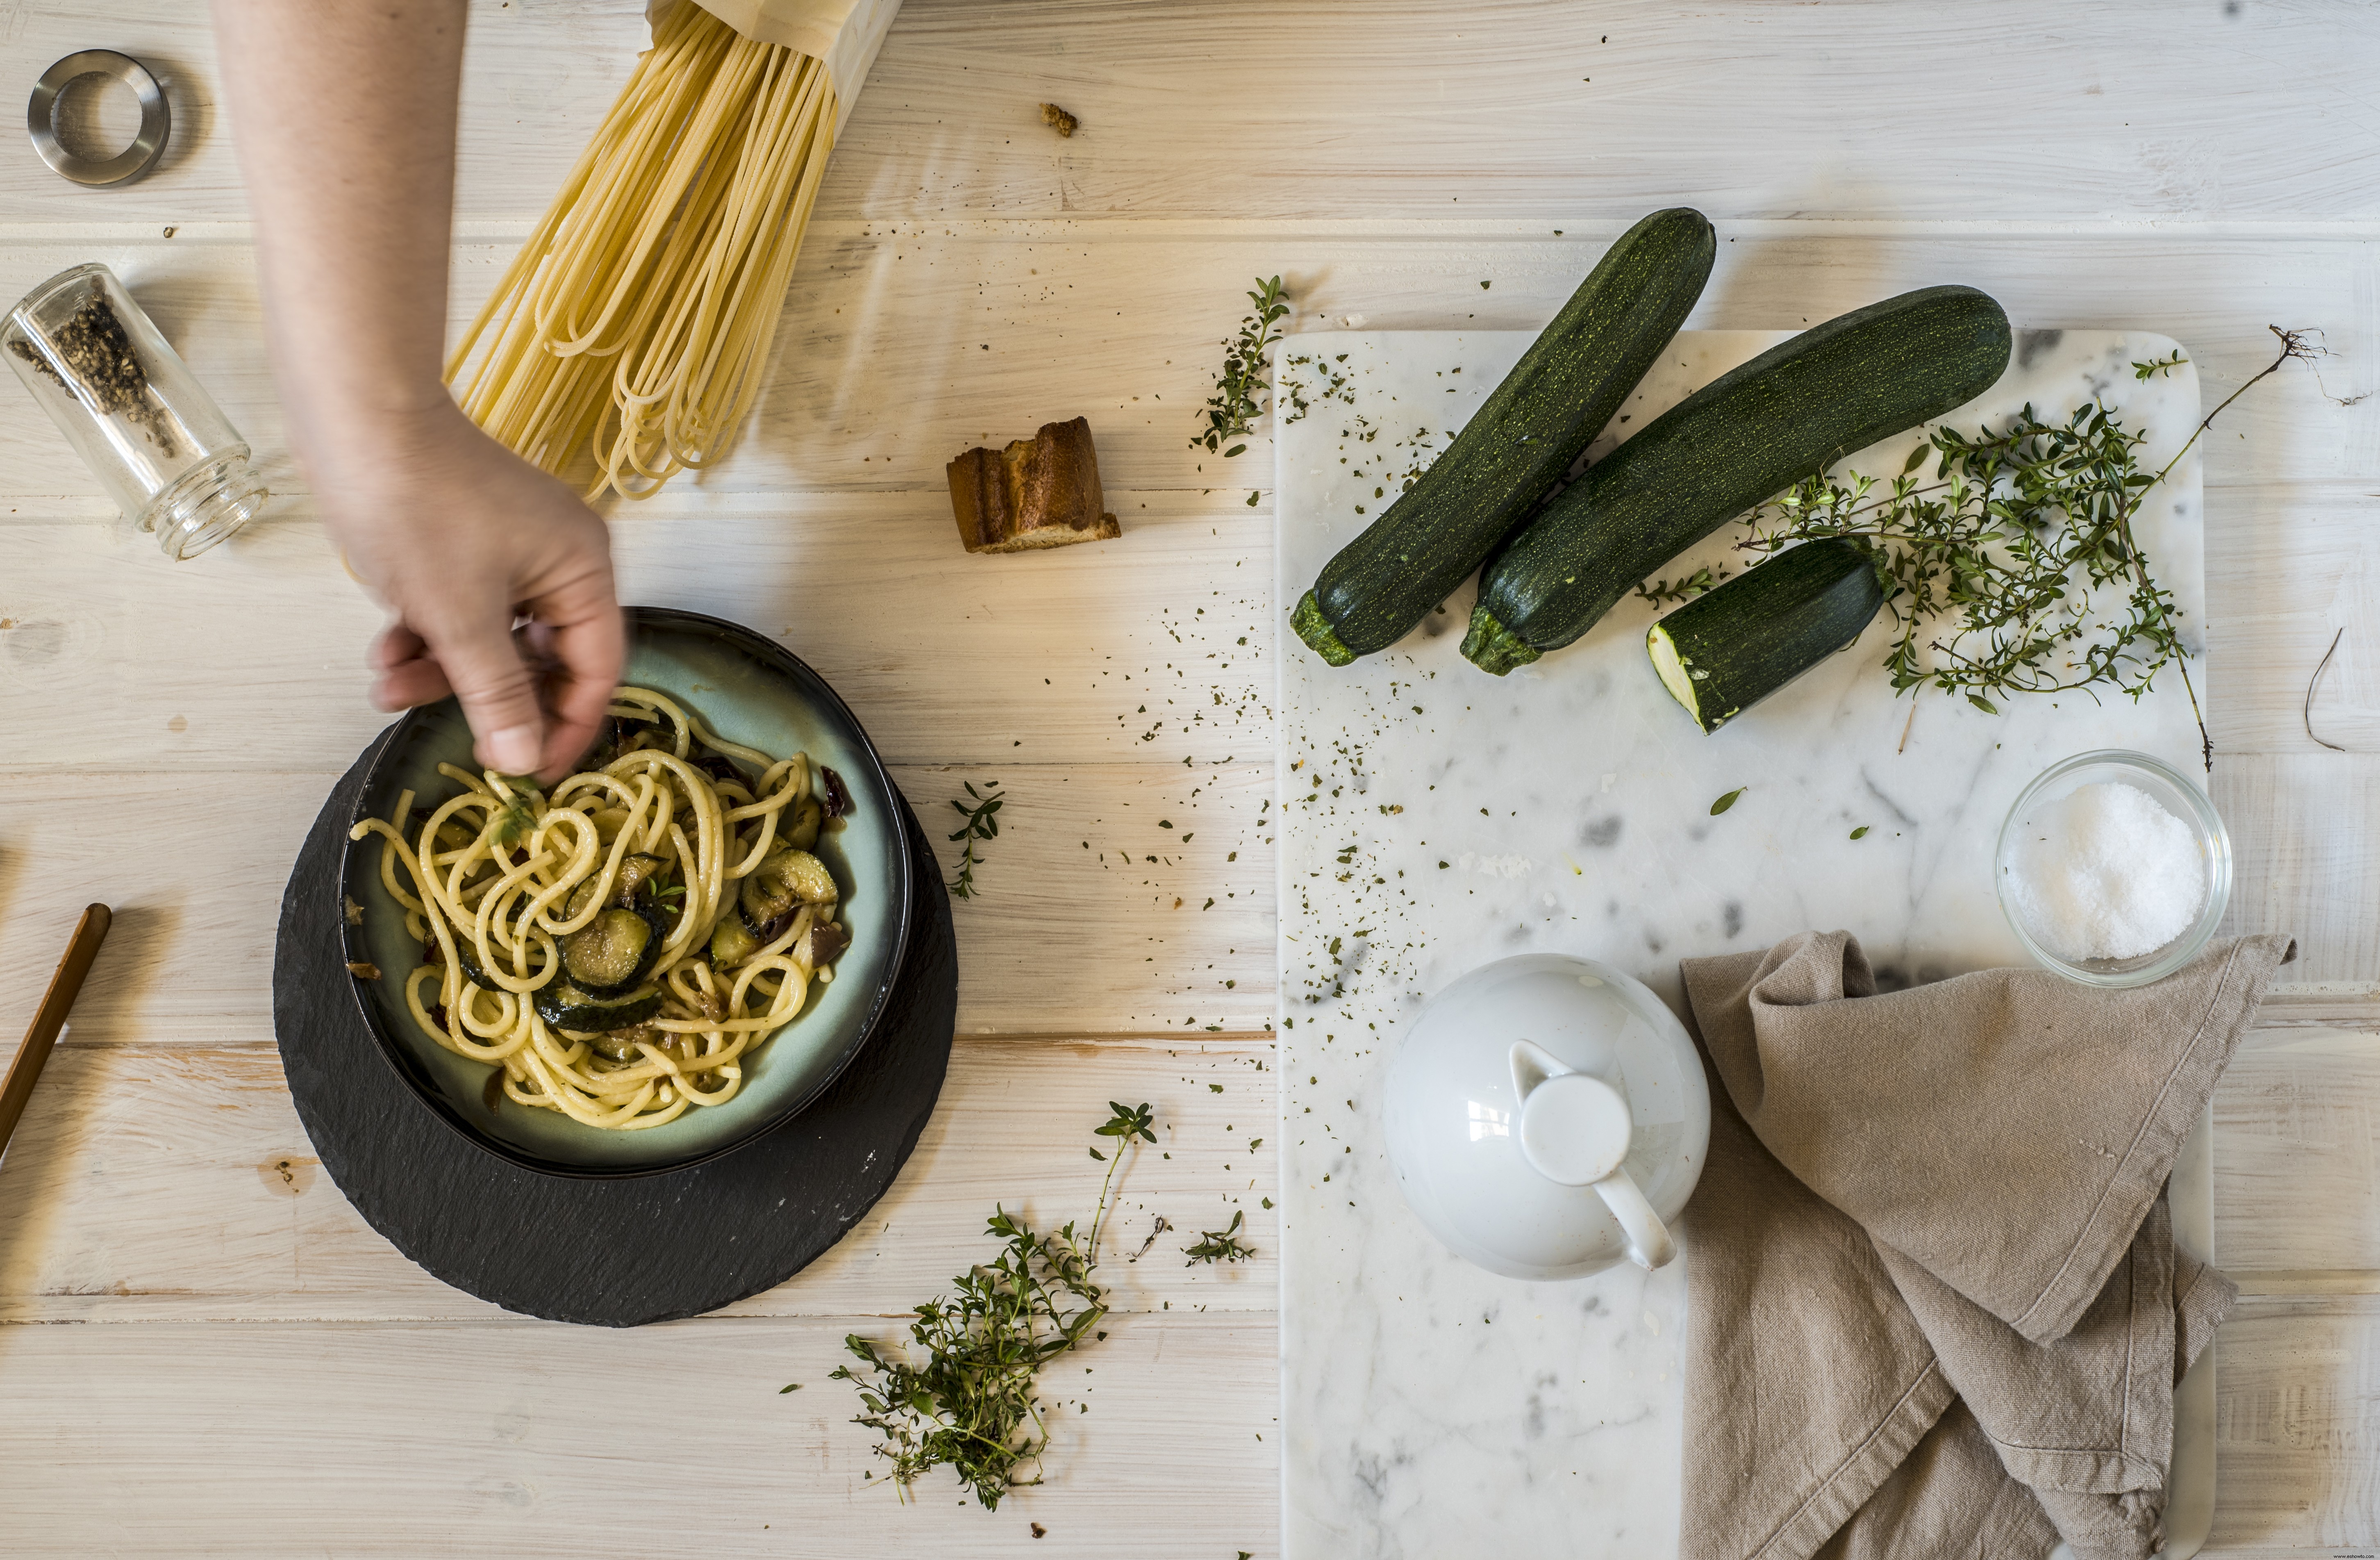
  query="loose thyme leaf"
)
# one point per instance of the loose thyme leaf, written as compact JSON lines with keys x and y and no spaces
{"x":982,"y":822}
{"x":1220,"y":1245}
{"x":1860,"y":833}
{"x":1728,"y":800}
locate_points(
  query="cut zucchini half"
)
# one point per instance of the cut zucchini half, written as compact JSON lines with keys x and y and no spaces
{"x":1724,"y":651}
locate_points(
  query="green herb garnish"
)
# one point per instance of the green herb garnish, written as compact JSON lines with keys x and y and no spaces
{"x":971,"y":1405}
{"x":982,"y":824}
{"x":519,"y":814}
{"x":1728,"y":800}
{"x":1220,"y":1245}
{"x":1860,"y":833}
{"x":2159,"y":365}
{"x":1687,"y":587}
{"x":1240,"y":388}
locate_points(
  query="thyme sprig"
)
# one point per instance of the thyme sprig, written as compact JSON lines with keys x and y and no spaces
{"x":981,"y":823}
{"x":2007,"y":552}
{"x":969,"y":1403}
{"x":1240,"y":388}
{"x":1686,"y":587}
{"x":2018,"y":552}
{"x":1220,"y":1245}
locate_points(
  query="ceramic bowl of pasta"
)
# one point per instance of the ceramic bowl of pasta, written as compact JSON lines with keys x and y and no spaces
{"x":667,"y":953}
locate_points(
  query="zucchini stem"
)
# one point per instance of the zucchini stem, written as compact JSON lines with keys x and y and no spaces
{"x":1492,"y":647}
{"x":1317,"y":632}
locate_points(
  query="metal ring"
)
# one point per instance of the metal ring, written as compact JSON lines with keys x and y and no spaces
{"x":156,"y":120}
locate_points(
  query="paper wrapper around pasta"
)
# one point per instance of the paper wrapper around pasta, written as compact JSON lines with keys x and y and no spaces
{"x":844,"y":33}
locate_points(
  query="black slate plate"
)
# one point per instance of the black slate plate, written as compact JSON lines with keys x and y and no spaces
{"x":612,"y":1253}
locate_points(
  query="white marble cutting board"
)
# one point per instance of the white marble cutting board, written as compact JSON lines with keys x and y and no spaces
{"x":1434,"y":818}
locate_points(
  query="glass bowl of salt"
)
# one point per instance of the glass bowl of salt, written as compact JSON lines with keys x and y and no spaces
{"x":2113,"y":869}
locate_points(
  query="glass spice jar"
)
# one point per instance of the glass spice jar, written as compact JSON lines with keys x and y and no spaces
{"x":131,"y":407}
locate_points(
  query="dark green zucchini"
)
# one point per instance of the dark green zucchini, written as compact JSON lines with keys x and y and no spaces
{"x":566,"y":1007}
{"x":1724,"y":651}
{"x":1794,"y":410}
{"x":1570,"y":383}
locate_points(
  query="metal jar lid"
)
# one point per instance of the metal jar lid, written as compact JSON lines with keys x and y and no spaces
{"x":156,"y":118}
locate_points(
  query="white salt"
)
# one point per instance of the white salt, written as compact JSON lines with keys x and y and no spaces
{"x":2106,"y":873}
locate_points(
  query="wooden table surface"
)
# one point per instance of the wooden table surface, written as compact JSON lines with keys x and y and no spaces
{"x":204,"y":1350}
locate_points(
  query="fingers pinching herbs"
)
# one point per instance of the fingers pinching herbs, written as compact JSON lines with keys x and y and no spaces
{"x":497,"y":691}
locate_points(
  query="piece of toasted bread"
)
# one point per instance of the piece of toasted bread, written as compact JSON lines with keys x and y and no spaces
{"x":1041,"y":491}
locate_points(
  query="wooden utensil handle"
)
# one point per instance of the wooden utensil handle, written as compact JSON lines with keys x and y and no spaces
{"x":51,"y":1016}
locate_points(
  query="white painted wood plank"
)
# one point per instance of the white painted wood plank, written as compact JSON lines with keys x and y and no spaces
{"x":2287,"y":569}
{"x":538,"y":78}
{"x":2297,"y":1427}
{"x":1533,"y":108}
{"x":1151,"y":648}
{"x":1061,"y":938}
{"x":152,"y":1182}
{"x":903,"y":345}
{"x":528,"y":1439}
{"x":1537,"y":108}
{"x":175,"y":1184}
{"x":2334,"y":1005}
{"x":2305,"y":845}
{"x":2297,"y":1162}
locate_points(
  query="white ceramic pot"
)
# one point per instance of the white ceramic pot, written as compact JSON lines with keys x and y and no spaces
{"x":1548,"y":1117}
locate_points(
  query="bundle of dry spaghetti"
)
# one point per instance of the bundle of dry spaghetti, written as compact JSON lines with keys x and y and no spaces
{"x":635,"y":325}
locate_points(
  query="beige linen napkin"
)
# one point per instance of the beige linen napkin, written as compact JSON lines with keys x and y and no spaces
{"x":1936,"y":1307}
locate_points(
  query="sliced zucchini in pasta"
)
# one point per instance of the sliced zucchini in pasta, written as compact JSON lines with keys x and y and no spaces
{"x":471,"y":970}
{"x":635,"y":873}
{"x":731,"y":943}
{"x":617,"y":949}
{"x":566,"y":1007}
{"x":786,"y":879}
{"x":802,"y":832}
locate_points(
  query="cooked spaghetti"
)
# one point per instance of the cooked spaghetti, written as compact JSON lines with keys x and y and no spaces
{"x":634,"y":322}
{"x":618,"y":948}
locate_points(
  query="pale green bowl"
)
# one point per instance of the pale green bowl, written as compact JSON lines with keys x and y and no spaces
{"x":751,"y":690}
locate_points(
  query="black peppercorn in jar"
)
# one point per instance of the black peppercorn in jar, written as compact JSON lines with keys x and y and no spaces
{"x":130,"y":408}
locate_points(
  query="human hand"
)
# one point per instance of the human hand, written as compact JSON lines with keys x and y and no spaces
{"x":459,"y":537}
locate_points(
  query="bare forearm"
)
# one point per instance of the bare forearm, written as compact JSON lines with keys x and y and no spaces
{"x":344,"y":111}
{"x":344,"y":114}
